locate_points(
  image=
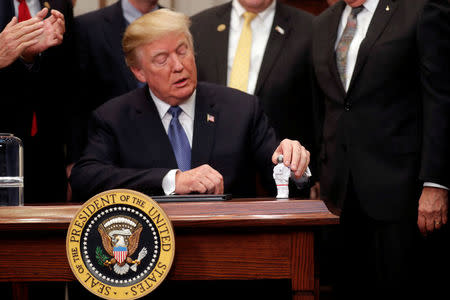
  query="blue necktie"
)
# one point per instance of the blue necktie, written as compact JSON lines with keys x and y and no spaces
{"x":179,"y":140}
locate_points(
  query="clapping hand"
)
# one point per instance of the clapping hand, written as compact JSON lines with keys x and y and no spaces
{"x":52,"y":34}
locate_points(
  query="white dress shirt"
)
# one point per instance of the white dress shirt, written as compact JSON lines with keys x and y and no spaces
{"x":186,"y":119}
{"x":34,"y":6}
{"x":363,"y":22}
{"x":261,"y":26}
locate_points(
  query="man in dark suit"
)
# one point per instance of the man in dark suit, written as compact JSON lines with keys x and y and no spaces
{"x":32,"y":86}
{"x":375,"y":119}
{"x":434,"y":32}
{"x":174,"y":136}
{"x":100,"y":64}
{"x":280,"y":69}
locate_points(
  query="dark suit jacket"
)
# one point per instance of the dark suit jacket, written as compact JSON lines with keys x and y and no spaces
{"x":100,"y":67}
{"x":434,"y":47}
{"x":284,"y":80}
{"x":41,"y":89}
{"x":129,"y":148}
{"x":375,"y":131}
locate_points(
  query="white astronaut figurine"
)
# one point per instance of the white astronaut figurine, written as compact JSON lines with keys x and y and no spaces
{"x":281,"y":174}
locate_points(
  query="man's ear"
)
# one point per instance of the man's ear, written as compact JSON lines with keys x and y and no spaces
{"x":139,"y":74}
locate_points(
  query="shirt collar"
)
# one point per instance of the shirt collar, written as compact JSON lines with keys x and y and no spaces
{"x":188,"y":106}
{"x":240,"y":10}
{"x":130,"y":13}
{"x":371,"y":5}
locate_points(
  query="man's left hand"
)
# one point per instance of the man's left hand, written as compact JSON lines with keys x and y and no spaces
{"x":433,"y":208}
{"x":295,"y":156}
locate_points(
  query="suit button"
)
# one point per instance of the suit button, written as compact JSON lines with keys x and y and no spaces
{"x":347,"y":106}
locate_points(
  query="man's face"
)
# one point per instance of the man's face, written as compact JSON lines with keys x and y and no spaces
{"x":355,"y":3}
{"x":255,"y":6}
{"x":168,"y":66}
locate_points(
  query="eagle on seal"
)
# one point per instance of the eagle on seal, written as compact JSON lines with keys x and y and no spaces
{"x":121,"y":245}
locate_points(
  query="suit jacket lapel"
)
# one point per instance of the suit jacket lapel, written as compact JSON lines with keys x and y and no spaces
{"x":379,"y":21}
{"x":150,"y":128}
{"x":333,"y":26}
{"x":113,"y":29}
{"x":274,"y":45}
{"x":6,"y":12}
{"x":220,"y":40}
{"x":204,"y":129}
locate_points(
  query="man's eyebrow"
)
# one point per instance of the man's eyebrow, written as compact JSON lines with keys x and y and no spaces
{"x":181,"y":43}
{"x":159,"y":52}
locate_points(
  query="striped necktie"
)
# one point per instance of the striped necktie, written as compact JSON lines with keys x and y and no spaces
{"x":344,"y":43}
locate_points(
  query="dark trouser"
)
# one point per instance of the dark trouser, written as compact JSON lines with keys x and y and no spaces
{"x":434,"y":268}
{"x":376,"y":259}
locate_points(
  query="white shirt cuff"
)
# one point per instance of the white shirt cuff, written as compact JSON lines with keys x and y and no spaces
{"x":168,"y":182}
{"x":302,"y":180}
{"x":431,"y":184}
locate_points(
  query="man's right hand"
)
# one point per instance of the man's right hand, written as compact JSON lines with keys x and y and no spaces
{"x":53,"y":34}
{"x":16,"y":37}
{"x":203,"y":180}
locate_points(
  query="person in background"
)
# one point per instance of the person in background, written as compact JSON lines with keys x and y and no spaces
{"x":34,"y":48}
{"x":275,"y":65}
{"x":377,"y":161}
{"x":100,"y":64}
{"x":434,"y":49}
{"x":33,"y":89}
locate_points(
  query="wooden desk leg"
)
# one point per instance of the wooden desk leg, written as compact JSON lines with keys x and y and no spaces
{"x":302,"y":266}
{"x":19,"y":291}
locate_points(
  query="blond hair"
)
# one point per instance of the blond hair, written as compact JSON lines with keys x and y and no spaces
{"x":151,"y":27}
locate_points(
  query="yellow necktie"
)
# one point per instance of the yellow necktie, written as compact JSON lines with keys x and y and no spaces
{"x":241,"y":63}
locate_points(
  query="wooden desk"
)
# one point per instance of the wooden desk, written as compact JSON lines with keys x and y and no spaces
{"x":239,"y":239}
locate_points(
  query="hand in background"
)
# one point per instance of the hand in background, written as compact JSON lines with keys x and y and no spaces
{"x":52,"y":35}
{"x":16,"y":37}
{"x":433,"y":209}
{"x":314,"y":192}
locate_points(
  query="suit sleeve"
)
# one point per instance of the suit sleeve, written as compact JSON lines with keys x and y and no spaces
{"x":434,"y":49}
{"x":263,"y":143}
{"x":98,"y":169}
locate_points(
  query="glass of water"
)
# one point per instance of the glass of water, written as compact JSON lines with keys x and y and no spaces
{"x":11,"y":170}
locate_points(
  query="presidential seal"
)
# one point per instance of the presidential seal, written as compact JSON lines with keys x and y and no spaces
{"x":120,"y":244}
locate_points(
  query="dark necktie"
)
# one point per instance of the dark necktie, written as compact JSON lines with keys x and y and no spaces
{"x":344,"y":43}
{"x":179,"y":140}
{"x":24,"y":14}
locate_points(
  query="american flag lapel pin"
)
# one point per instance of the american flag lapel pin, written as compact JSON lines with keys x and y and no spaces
{"x":279,"y":29}
{"x":210,"y":118}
